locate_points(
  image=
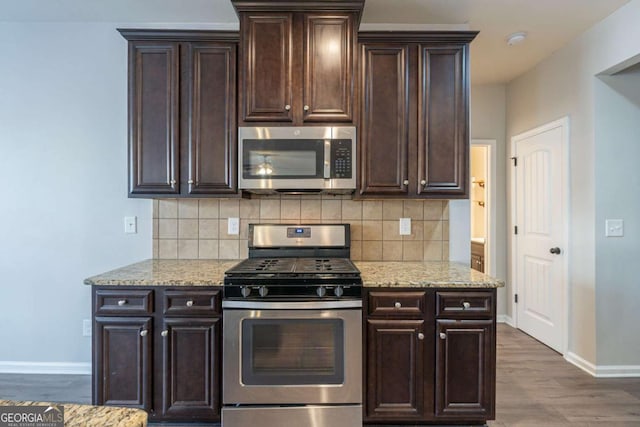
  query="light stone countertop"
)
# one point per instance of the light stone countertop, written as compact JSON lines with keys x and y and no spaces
{"x":374,"y":274}
{"x":76,"y":415}
{"x":165,"y":272}
{"x":434,"y":274}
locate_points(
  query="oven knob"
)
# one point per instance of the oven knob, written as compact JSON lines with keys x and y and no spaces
{"x":263,"y":291}
{"x":245,"y":291}
{"x":338,"y":291}
{"x":321,"y":291}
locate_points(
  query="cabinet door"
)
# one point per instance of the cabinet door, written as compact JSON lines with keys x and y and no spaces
{"x":153,"y":118}
{"x":191,"y":369}
{"x":211,"y":79}
{"x":384,"y":127}
{"x":122,"y":362}
{"x":395,"y":371}
{"x":443,"y":141}
{"x":266,"y":63}
{"x":328,"y":67}
{"x":465,"y":369}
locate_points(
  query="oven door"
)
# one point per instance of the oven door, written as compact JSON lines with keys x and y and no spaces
{"x":292,"y":353}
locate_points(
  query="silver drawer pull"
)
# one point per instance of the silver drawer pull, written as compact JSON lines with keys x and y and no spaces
{"x":190,"y":303}
{"x":443,"y":336}
{"x":405,"y":182}
{"x":143,"y":333}
{"x":164,"y":333}
{"x":305,"y":108}
{"x":122,"y":302}
{"x":423,"y":182}
{"x":420,"y":336}
{"x":190,"y":181}
{"x":287,"y":107}
{"x":398,"y":305}
{"x":466,"y":305}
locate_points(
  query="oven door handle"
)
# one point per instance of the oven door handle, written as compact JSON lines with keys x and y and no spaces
{"x":291,"y":305}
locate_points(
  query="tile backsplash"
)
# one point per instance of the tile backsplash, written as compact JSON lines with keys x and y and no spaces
{"x":197,"y":228}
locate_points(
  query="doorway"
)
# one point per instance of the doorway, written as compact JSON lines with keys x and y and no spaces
{"x":482,"y":209}
{"x":540,"y":195}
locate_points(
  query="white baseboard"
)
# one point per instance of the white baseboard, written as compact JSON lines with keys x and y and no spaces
{"x":45,"y":368}
{"x":603,"y":371}
{"x":503,"y":318}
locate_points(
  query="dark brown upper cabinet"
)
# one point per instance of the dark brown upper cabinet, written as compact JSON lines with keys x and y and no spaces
{"x":182,"y":113}
{"x":297,"y":61}
{"x":414,"y":114}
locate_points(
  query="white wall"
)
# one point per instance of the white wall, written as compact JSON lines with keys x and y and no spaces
{"x":488,"y":121}
{"x":617,"y":148}
{"x":561,"y":85}
{"x":63,"y":133}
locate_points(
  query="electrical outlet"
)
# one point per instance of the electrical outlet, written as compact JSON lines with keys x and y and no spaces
{"x":405,"y":226}
{"x":86,"y":327}
{"x":614,"y":228}
{"x":233,"y":226}
{"x":130,"y":224}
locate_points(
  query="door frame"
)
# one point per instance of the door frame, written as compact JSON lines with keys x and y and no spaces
{"x":565,"y":189}
{"x":490,"y":198}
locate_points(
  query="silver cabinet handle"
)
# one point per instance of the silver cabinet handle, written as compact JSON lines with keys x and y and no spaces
{"x":398,"y":305}
{"x":420,"y":336}
{"x":164,"y":333}
{"x":443,"y":336}
{"x":406,"y":182}
{"x":190,"y":181}
{"x":305,"y":108}
{"x":287,"y":107}
{"x":122,"y":302}
{"x":190,"y":303}
{"x":423,"y":182}
{"x":143,"y":333}
{"x":466,"y":305}
{"x":173,"y":182}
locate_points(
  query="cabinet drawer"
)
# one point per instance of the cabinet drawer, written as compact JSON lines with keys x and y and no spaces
{"x":123,"y":302}
{"x":187,"y":302}
{"x":393,"y":304}
{"x":464,"y":304}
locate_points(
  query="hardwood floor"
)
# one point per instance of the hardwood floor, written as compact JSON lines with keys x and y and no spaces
{"x":535,"y":387}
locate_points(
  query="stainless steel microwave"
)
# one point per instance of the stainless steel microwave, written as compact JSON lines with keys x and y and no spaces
{"x":297,"y":159}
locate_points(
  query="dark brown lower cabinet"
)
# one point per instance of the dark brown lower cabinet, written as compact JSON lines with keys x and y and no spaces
{"x":191,"y":383}
{"x":395,"y":370}
{"x":429,"y":356}
{"x":122,"y":351}
{"x":171,"y":370}
{"x":465,"y":369}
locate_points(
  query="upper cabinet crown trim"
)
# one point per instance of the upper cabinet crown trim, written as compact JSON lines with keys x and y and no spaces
{"x":418,"y":36}
{"x":133,"y":34}
{"x":298,"y":6}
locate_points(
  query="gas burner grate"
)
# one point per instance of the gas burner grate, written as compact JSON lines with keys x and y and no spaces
{"x":324,"y":265}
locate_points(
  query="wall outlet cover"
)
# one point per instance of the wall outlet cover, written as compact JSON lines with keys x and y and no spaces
{"x":614,"y":228}
{"x":130,"y":224}
{"x":405,"y":226}
{"x":233,"y":226}
{"x":86,"y":327}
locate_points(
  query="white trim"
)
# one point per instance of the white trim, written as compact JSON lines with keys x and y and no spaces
{"x":504,"y":318}
{"x":10,"y":367}
{"x":492,"y":162}
{"x":562,"y":123}
{"x":581,"y":363}
{"x":618,"y":371}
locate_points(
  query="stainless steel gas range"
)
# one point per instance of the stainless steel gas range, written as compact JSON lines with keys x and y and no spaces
{"x":293,"y":330}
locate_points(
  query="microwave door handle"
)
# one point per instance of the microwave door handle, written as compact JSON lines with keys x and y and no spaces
{"x":327,"y":159}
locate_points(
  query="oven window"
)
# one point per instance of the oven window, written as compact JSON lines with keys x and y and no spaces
{"x":292,"y":351}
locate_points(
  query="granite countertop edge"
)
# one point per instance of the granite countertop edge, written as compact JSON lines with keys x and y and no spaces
{"x":429,"y":274}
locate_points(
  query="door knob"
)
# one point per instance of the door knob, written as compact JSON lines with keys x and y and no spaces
{"x":555,"y":251}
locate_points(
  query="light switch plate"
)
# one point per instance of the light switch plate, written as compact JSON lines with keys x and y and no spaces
{"x":86,"y":327}
{"x":130,"y":224}
{"x":233,"y":226}
{"x":614,"y":228}
{"x":405,"y":226}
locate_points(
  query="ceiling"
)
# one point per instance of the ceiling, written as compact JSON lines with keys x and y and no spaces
{"x":550,"y":24}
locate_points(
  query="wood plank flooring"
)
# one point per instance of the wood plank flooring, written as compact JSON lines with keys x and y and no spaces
{"x":535,"y":387}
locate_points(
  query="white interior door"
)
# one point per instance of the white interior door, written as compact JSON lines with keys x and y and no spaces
{"x":540,"y":243}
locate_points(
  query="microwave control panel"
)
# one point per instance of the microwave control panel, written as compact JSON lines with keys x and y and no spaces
{"x":341,"y":158}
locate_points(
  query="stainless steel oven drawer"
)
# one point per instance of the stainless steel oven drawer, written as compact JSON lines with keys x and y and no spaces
{"x":334,"y":416}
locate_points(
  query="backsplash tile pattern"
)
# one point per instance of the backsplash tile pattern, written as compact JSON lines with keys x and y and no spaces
{"x":192,"y":228}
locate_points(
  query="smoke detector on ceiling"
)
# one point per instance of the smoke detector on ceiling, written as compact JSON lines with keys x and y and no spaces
{"x":516,"y":38}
